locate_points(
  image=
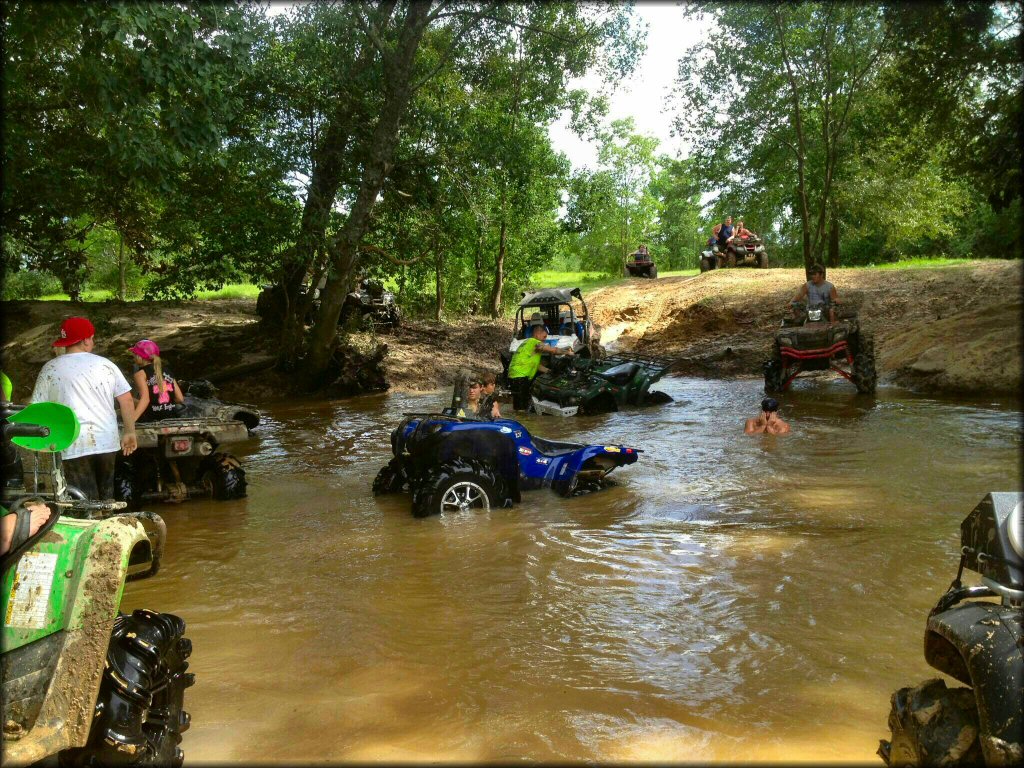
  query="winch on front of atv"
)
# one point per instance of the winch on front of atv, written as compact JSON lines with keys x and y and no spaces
{"x":453,"y":464}
{"x":79,"y":679}
{"x":182,"y":458}
{"x":807,"y":341}
{"x":976,"y":642}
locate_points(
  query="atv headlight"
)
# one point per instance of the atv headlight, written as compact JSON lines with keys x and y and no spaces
{"x":814,"y":314}
{"x":786,"y":341}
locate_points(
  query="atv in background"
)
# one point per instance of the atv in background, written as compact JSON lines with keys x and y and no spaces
{"x":371,"y":300}
{"x":582,"y":385}
{"x":709,"y":258}
{"x":453,"y":464}
{"x":80,"y":680}
{"x":639,"y":264}
{"x":808,"y":342}
{"x":745,"y":252}
{"x":564,"y":314}
{"x":180,"y":458}
{"x":978,"y":643}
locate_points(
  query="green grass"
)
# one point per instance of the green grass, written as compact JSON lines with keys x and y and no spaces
{"x":922,"y":264}
{"x":229,"y":291}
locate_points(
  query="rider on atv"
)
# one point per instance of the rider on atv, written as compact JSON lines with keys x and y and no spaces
{"x":817,"y":291}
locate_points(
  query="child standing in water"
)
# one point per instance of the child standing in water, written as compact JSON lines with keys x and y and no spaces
{"x":159,"y":394}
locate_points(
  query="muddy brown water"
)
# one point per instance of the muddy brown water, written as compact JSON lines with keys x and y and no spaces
{"x":734,"y":598}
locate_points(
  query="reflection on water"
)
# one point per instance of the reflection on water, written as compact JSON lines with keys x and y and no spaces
{"x":733,"y":598}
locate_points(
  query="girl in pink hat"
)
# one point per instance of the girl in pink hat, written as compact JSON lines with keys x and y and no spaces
{"x":159,"y":394}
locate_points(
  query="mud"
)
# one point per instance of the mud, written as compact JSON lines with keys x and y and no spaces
{"x":952,"y":329}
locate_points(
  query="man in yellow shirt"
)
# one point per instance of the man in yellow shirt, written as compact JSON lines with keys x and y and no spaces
{"x":526,"y":362}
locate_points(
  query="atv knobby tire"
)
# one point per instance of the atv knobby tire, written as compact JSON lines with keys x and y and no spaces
{"x":390,"y":479}
{"x":127,"y":487}
{"x":773,"y":373}
{"x":456,"y":484}
{"x":223,"y":475}
{"x":730,"y":259}
{"x":705,"y":265}
{"x":654,"y":273}
{"x":139,"y":715}
{"x":932,"y":725}
{"x":762,"y":261}
{"x":864,"y":375}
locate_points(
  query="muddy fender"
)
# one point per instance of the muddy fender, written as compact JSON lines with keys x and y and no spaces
{"x":610,"y":456}
{"x":980,"y":644}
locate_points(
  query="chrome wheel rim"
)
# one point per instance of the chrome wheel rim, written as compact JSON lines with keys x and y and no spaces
{"x":463,"y":496}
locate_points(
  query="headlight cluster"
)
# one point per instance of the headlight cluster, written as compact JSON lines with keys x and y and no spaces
{"x":786,"y":341}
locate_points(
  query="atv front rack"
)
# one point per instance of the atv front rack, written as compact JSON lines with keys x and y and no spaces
{"x":659,"y":363}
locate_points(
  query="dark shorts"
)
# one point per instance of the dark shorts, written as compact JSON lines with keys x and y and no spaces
{"x":521,"y":392}
{"x":92,"y":475}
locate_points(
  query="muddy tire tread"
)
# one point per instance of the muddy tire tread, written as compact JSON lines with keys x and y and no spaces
{"x":430,"y":488}
{"x":931,"y":724}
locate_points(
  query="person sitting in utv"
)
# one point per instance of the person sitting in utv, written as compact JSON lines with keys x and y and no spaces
{"x":488,"y":398}
{"x":818,"y":291}
{"x":526,"y":362}
{"x":160,"y":397}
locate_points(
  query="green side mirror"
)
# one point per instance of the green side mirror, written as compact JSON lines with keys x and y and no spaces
{"x":60,"y":419}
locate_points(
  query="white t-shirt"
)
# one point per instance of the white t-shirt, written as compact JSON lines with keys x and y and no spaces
{"x":87,"y":384}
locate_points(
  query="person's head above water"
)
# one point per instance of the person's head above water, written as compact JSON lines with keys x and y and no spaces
{"x":769,"y":405}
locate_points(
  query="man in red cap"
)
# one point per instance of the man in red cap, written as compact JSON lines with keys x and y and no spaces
{"x":89,"y":385}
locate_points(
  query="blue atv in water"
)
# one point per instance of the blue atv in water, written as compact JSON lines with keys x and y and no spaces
{"x":454,"y":464}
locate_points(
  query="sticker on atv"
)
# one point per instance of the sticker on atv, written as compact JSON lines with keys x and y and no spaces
{"x":525,"y":451}
{"x":543,"y":460}
{"x":613,"y":449}
{"x":30,"y":594}
{"x":507,"y":431}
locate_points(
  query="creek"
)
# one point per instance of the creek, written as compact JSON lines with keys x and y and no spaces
{"x":733,"y":598}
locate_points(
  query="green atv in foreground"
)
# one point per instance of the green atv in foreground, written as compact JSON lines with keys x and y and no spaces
{"x":587,"y":386}
{"x":80,"y":680}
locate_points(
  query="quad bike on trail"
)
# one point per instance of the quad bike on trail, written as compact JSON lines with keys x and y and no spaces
{"x":453,"y":464}
{"x":183,"y":458}
{"x":592,"y":380}
{"x":81,"y":681}
{"x":808,"y":342}
{"x":640,"y":264}
{"x":977,"y":642}
{"x":745,"y":252}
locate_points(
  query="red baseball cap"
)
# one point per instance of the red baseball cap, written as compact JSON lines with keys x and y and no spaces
{"x":74,"y":330}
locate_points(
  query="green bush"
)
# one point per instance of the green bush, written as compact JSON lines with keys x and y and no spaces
{"x":29,"y":284}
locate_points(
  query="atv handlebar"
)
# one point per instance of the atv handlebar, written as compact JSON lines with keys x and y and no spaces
{"x":24,"y":430}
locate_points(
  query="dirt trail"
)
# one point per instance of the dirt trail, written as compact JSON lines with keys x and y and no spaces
{"x":953,"y":329}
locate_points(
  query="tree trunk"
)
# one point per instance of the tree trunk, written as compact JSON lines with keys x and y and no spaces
{"x":122,"y":282}
{"x":833,"y":239}
{"x":377,"y":155}
{"x":439,"y":283}
{"x":499,"y":271}
{"x":479,"y":271}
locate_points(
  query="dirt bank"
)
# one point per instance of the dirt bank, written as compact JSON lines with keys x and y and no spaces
{"x":954,"y":329}
{"x":224,"y":341}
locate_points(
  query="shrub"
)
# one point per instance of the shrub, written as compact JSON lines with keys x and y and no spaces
{"x":29,"y":284}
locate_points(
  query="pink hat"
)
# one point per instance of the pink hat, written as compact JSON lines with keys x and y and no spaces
{"x":146,"y":349}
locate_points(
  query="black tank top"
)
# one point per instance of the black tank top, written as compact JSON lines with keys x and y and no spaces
{"x":160,"y":406}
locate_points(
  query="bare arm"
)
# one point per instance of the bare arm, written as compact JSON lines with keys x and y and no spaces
{"x":139,"y":377}
{"x":128,"y":440}
{"x":801,"y":293}
{"x":833,"y":295}
{"x":178,"y":396}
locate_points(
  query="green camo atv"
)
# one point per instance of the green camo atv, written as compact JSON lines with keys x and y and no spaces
{"x":79,"y":679}
{"x":587,"y":386}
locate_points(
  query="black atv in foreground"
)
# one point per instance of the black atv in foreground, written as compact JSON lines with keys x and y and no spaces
{"x":977,"y":642}
{"x":640,"y":264}
{"x":180,"y":458}
{"x":808,"y":342}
